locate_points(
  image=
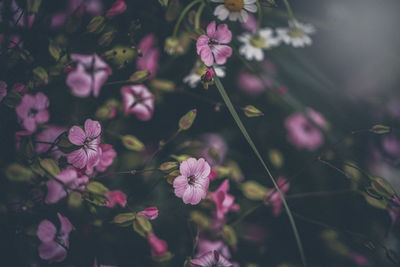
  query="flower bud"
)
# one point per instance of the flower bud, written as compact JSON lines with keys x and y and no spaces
{"x":382,"y":187}
{"x":253,"y":190}
{"x":158,"y":246}
{"x":132,"y":143}
{"x":32,"y":6}
{"x":96,"y":24}
{"x":172,"y":46}
{"x":18,"y":173}
{"x":107,"y":37}
{"x":207,"y":78}
{"x":124,"y":219}
{"x":114,"y":198}
{"x":139,"y":76}
{"x":41,"y":75}
{"x":200,"y":219}
{"x":151,"y":213}
{"x":187,"y":120}
{"x":96,"y":188}
{"x":168,"y":166}
{"x":117,"y":8}
{"x":141,"y":225}
{"x":163,"y":2}
{"x":50,"y":166}
{"x":74,"y":200}
{"x":229,"y":235}
{"x":251,"y":111}
{"x":276,"y":158}
{"x":162,"y":85}
{"x":380,"y":129}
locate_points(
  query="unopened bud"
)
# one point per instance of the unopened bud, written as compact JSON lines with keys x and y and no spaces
{"x":139,"y":76}
{"x":172,"y":46}
{"x":124,"y":219}
{"x":41,"y":75}
{"x":169,"y":166}
{"x":382,"y":187}
{"x":18,"y":173}
{"x":107,"y":37}
{"x":380,"y":129}
{"x":96,"y":188}
{"x":132,"y":143}
{"x":162,"y":85}
{"x":96,"y":24}
{"x":117,"y":8}
{"x":142,"y":225}
{"x":50,"y":166}
{"x":229,"y":235}
{"x":200,"y":219}
{"x":253,"y":190}
{"x":187,"y":120}
{"x":251,"y":111}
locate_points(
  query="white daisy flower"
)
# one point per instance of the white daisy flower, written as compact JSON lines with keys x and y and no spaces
{"x":297,"y":34}
{"x":234,"y":9}
{"x":253,"y":44}
{"x":198,"y":70}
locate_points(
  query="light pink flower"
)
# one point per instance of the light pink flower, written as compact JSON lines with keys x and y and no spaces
{"x":274,"y":199}
{"x":114,"y":198}
{"x":88,"y":155}
{"x":151,"y":213}
{"x":68,"y":180}
{"x":117,"y":8}
{"x":150,"y":55}
{"x":3,"y":90}
{"x":48,"y":135}
{"x":138,"y":100}
{"x":212,"y":46}
{"x":54,"y":244}
{"x":302,"y":133}
{"x":158,"y":246}
{"x":193,"y":182}
{"x":33,"y":110}
{"x":252,"y":84}
{"x":205,"y":245}
{"x":89,"y":76}
{"x":224,"y":202}
{"x":107,"y":155}
{"x":211,"y":259}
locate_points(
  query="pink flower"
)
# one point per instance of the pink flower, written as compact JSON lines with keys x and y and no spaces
{"x":212,"y":45}
{"x":151,"y":213}
{"x":48,"y":135}
{"x":150,"y":55}
{"x":358,"y":259}
{"x":107,"y":155}
{"x":114,"y":198}
{"x":158,"y":246}
{"x":274,"y":199}
{"x":211,"y":259}
{"x":138,"y":100}
{"x":3,"y":90}
{"x":224,"y":202}
{"x":302,"y":133}
{"x":54,"y":244}
{"x":68,"y":180}
{"x":19,"y":88}
{"x":89,"y":76}
{"x":205,"y":245}
{"x":215,"y":148}
{"x":252,"y":84}
{"x":88,"y":155}
{"x":193,"y":182}
{"x":33,"y":110}
{"x":117,"y":8}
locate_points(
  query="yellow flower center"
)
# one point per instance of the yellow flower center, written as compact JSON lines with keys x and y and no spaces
{"x":234,"y":5}
{"x":258,"y":41}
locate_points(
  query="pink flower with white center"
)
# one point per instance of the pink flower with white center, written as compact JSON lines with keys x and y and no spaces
{"x":211,"y":259}
{"x":33,"y":110}
{"x":151,"y":213}
{"x":274,"y":198}
{"x":89,"y":76}
{"x":114,"y":198}
{"x":117,"y":8}
{"x":107,"y":155}
{"x":54,"y":243}
{"x":212,"y":46}
{"x":193,"y":182}
{"x":67,"y":181}
{"x":3,"y":90}
{"x":224,"y":202}
{"x":302,"y":133}
{"x":47,"y":136}
{"x":158,"y":246}
{"x":150,"y":55}
{"x":205,"y":245}
{"x":88,"y":155}
{"x":138,"y":100}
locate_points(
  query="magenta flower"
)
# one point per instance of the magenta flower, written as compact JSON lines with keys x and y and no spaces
{"x":3,"y":90}
{"x":67,"y":181}
{"x":89,"y":76}
{"x":150,"y":55}
{"x":114,"y":198}
{"x":48,"y":135}
{"x":273,"y":197}
{"x":158,"y":246}
{"x":205,"y":245}
{"x":252,"y":84}
{"x":224,"y":202}
{"x":211,"y":259}
{"x":212,"y":46}
{"x":54,"y":244}
{"x":151,"y":213}
{"x":193,"y":182}
{"x":107,"y":155}
{"x":33,"y":110}
{"x":88,"y":155}
{"x":117,"y":8}
{"x":138,"y":100}
{"x":302,"y":133}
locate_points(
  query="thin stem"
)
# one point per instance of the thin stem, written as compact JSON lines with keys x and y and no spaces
{"x":244,"y":215}
{"x":260,"y":14}
{"x":198,"y":15}
{"x":187,"y":8}
{"x":289,"y":9}
{"x":319,"y":194}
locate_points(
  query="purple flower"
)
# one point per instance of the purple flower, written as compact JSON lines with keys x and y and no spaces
{"x":107,"y":155}
{"x":117,"y":8}
{"x":138,"y":100}
{"x":33,"y":110}
{"x":150,"y":55}
{"x":193,"y":182}
{"x":114,"y":198}
{"x":54,"y":244}
{"x":48,"y":135}
{"x":274,"y":198}
{"x":151,"y":213}
{"x":224,"y":202}
{"x":90,"y":74}
{"x":88,"y":155}
{"x":205,"y":245}
{"x":211,"y":259}
{"x":212,"y":46}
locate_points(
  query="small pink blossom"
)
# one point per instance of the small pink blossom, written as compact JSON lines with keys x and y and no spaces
{"x":213,"y":45}
{"x":48,"y":135}
{"x":33,"y":110}
{"x":138,"y":100}
{"x":193,"y":182}
{"x":89,"y":76}
{"x":107,"y":155}
{"x":114,"y":198}
{"x":302,"y":133}
{"x":158,"y":246}
{"x":88,"y":155}
{"x":3,"y":90}
{"x":211,"y":259}
{"x":117,"y":8}
{"x":67,"y":180}
{"x":224,"y":202}
{"x":151,"y":213}
{"x":150,"y":55}
{"x":54,"y":243}
{"x":274,"y":198}
{"x":205,"y":245}
{"x":252,"y":84}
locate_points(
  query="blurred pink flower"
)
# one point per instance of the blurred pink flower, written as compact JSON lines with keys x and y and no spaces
{"x":273,"y":197}
{"x":54,"y":244}
{"x":138,"y":100}
{"x":68,"y":180}
{"x":117,"y":8}
{"x":193,"y":182}
{"x":19,"y":88}
{"x":88,"y":155}
{"x":150,"y":55}
{"x":158,"y":246}
{"x":215,"y":148}
{"x":3,"y":90}
{"x":251,"y":24}
{"x":107,"y":155}
{"x":302,"y":133}
{"x":252,"y":84}
{"x":212,"y":45}
{"x":151,"y":213}
{"x":358,"y":259}
{"x":33,"y":110}
{"x":48,"y":135}
{"x":89,"y":76}
{"x":114,"y":198}
{"x":211,"y":259}
{"x":205,"y":245}
{"x":224,"y":202}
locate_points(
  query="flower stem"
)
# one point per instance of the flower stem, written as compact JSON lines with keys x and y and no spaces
{"x":198,"y":15}
{"x":187,"y":8}
{"x":289,"y":9}
{"x":260,"y":14}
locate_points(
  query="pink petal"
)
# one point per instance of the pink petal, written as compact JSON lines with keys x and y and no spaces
{"x":99,"y":78}
{"x":76,"y":136}
{"x":80,"y":82}
{"x":211,"y":29}
{"x":207,"y":57}
{"x":29,"y":124}
{"x":78,"y":158}
{"x":66,"y":226}
{"x":201,"y":42}
{"x":223,"y":35}
{"x":52,"y":251}
{"x":192,"y":195}
{"x":221,"y":53}
{"x":180,"y":184}
{"x":41,"y":101}
{"x":202,"y":169}
{"x":187,"y":167}
{"x":55,"y":192}
{"x":92,"y":128}
{"x":42,"y":116}
{"x":142,"y":112}
{"x":46,"y":231}
{"x":151,"y":213}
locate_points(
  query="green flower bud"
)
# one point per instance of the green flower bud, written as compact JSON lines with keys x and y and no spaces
{"x":251,"y":111}
{"x":132,"y":143}
{"x":253,"y":190}
{"x":18,"y":173}
{"x":139,"y":76}
{"x":96,"y":24}
{"x":187,"y":120}
{"x":169,"y":166}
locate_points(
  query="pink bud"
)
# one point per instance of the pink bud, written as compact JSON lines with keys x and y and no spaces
{"x":151,"y":213}
{"x":115,"y":197}
{"x":212,"y":175}
{"x":208,"y":76}
{"x":158,"y":246}
{"x":118,"y":7}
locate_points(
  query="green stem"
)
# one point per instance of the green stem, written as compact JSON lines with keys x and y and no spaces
{"x":187,"y":8}
{"x":319,"y":194}
{"x":239,"y":123}
{"x":260,"y":13}
{"x":289,"y":9}
{"x":198,"y":15}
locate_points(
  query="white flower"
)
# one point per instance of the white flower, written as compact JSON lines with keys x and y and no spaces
{"x":198,"y":70}
{"x":234,"y":9}
{"x":297,"y":34}
{"x":253,"y":44}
